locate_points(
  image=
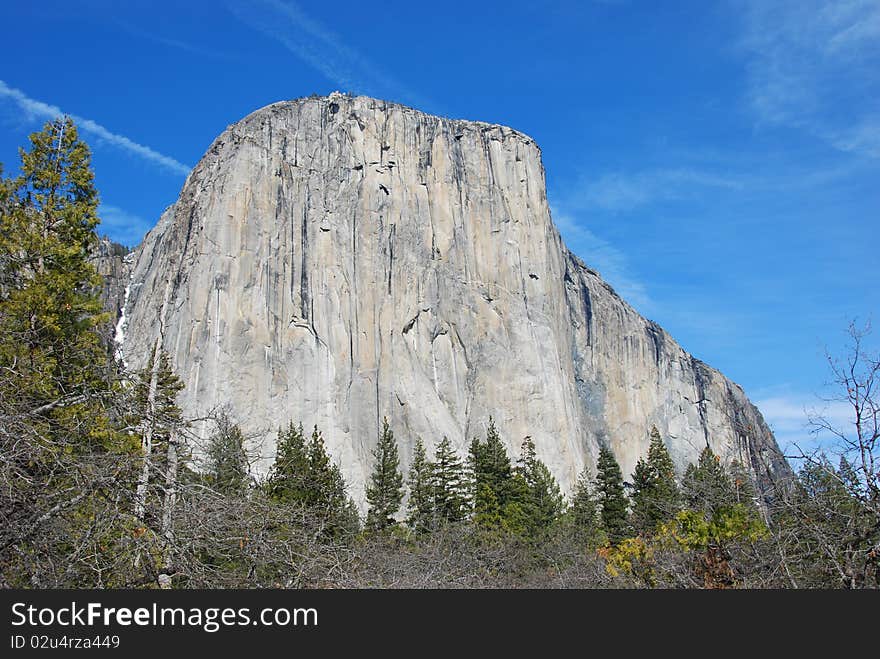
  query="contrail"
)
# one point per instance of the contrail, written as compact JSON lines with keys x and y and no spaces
{"x":40,"y":109}
{"x":321,"y":48}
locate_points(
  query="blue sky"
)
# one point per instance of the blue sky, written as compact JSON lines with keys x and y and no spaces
{"x":717,"y":162}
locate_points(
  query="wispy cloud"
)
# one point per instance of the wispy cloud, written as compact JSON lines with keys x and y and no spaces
{"x":625,"y":191}
{"x":789,"y":414}
{"x":321,"y":48}
{"x":701,"y":179}
{"x":122,"y":226}
{"x":175,"y":43}
{"x":812,"y":65}
{"x":40,"y":110}
{"x":599,"y":254}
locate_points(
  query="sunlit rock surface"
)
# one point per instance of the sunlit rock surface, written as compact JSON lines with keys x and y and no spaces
{"x":335,"y":260}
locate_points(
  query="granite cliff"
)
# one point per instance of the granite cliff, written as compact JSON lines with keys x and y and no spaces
{"x":335,"y":260}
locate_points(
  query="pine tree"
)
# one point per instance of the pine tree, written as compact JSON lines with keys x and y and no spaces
{"x":154,"y":413}
{"x":164,"y":415}
{"x":158,"y":419}
{"x":707,"y":485}
{"x":326,"y":489}
{"x":542,"y":502}
{"x":584,"y":510}
{"x":715,"y":518}
{"x":289,"y":475}
{"x":489,"y":463}
{"x":612,"y":497}
{"x":828,"y":534}
{"x":493,"y":490}
{"x":449,"y":484}
{"x":655,"y":496}
{"x":385,"y":492}
{"x":53,"y":368}
{"x":420,"y":506}
{"x":227,"y":468}
{"x":487,"y":513}
{"x":304,"y":475}
{"x":743,"y":485}
{"x":66,"y":465}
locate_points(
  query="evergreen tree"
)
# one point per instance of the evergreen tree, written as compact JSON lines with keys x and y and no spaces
{"x":154,"y":413}
{"x":303,"y":474}
{"x":655,"y":496}
{"x":612,"y":497}
{"x":420,"y":506}
{"x":487,"y":513}
{"x":326,"y":487}
{"x":161,"y":412}
{"x":385,"y":492}
{"x":53,"y":368}
{"x":227,"y":468}
{"x":158,"y":418}
{"x":489,"y":463}
{"x":66,"y":465}
{"x":707,"y":485}
{"x":828,"y":534}
{"x":584,"y":510}
{"x":168,"y":387}
{"x":715,"y":518}
{"x":496,"y":496}
{"x":289,"y":475}
{"x":449,"y":484}
{"x":542,"y":502}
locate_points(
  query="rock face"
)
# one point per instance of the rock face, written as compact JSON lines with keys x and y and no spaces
{"x":335,"y":260}
{"x":112,"y":261}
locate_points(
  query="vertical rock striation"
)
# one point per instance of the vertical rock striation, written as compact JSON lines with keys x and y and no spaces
{"x":113,"y":262}
{"x":335,"y":260}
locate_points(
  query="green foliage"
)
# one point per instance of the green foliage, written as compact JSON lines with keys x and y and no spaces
{"x":64,"y":457}
{"x":707,"y":485}
{"x":227,"y":468}
{"x":524,"y":500}
{"x":541,"y":499}
{"x":289,"y":477}
{"x":385,"y":491}
{"x":488,"y":515}
{"x":326,"y":485}
{"x":303,"y":474}
{"x":633,"y":557}
{"x":490,"y":465}
{"x":164,"y":416}
{"x":695,"y":545}
{"x":449,"y":484}
{"x":829,"y":535}
{"x":612,"y":497}
{"x":655,"y":497}
{"x":694,"y":531}
{"x":720,"y":513}
{"x":584,"y":512}
{"x":53,"y":367}
{"x":420,"y":506}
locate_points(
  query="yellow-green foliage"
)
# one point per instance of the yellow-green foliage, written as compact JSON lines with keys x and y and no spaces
{"x":630,"y":557}
{"x":692,"y":530}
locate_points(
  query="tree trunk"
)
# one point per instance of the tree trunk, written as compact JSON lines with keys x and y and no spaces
{"x":168,"y":506}
{"x":140,"y":498}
